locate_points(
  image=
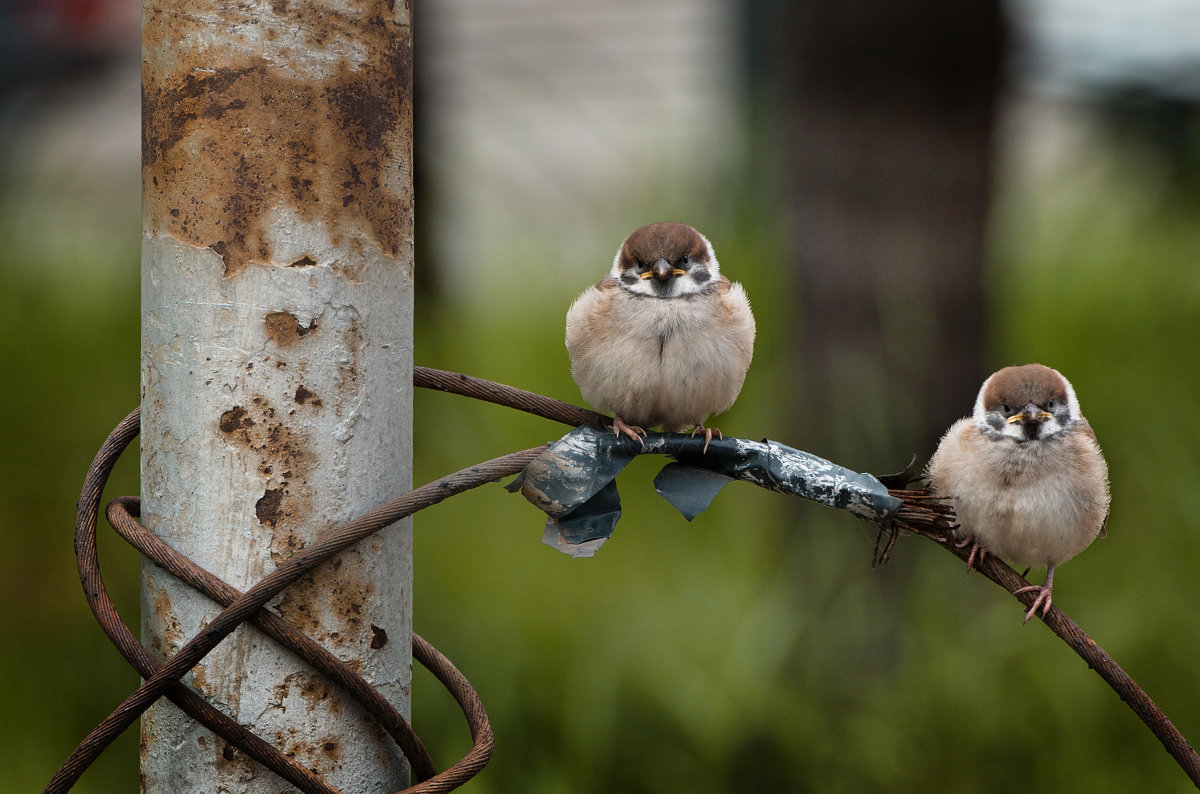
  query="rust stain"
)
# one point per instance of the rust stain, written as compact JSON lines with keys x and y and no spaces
{"x":347,"y":598}
{"x":232,"y":763}
{"x":327,"y":586}
{"x":235,"y":419}
{"x":283,"y":457}
{"x":352,"y":342}
{"x":267,"y":507}
{"x":170,"y":634}
{"x":228,"y":139}
{"x":318,"y":698}
{"x":296,"y":606}
{"x":285,"y":329}
{"x":303,"y":395}
{"x":147,"y":732}
{"x":314,"y":690}
{"x":379,"y":637}
{"x":200,"y":681}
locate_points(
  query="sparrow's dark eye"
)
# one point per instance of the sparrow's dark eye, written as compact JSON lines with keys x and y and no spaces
{"x":1007,"y":409}
{"x":1050,"y":405}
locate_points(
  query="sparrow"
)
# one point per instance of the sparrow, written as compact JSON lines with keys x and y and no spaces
{"x":665,"y":339}
{"x":1024,"y":474}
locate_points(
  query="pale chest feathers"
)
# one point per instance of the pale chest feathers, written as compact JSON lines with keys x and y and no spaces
{"x":669,"y":362}
{"x":1031,"y":503}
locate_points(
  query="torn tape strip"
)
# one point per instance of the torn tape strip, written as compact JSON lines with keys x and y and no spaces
{"x":572,"y":482}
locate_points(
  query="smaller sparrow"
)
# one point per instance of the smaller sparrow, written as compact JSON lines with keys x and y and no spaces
{"x":1024,"y":474}
{"x":665,"y":339}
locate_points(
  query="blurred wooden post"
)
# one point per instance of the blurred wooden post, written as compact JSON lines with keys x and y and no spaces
{"x":277,"y":299}
{"x":888,"y":154}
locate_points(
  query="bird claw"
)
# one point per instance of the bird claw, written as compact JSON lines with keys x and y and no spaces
{"x":975,"y":549}
{"x":1043,"y":600}
{"x":633,"y":431}
{"x":708,"y":435}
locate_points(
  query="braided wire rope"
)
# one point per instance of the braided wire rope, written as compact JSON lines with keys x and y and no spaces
{"x":164,"y":679}
{"x":920,"y":513}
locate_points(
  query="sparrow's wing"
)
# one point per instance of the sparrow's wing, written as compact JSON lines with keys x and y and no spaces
{"x":585,"y":317}
{"x":1090,"y":433}
{"x":1087,"y":429}
{"x":737,"y":320}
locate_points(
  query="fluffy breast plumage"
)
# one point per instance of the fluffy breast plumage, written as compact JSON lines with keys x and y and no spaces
{"x":670,"y":362}
{"x":1031,"y":503}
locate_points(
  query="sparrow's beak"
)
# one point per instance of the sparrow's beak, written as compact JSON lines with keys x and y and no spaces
{"x":661,"y":270}
{"x":1030,"y":415}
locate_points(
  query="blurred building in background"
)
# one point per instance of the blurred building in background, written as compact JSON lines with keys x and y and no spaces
{"x":69,"y":124}
{"x":547,"y":124}
{"x":540,"y":113}
{"x":1090,"y":49}
{"x":549,"y":119}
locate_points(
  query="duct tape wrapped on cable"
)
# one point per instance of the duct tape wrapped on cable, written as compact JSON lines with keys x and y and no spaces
{"x":574,"y":483}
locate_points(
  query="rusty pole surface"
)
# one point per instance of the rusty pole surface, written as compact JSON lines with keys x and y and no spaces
{"x":277,"y":298}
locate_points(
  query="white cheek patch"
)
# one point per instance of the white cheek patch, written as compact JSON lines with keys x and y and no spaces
{"x":686,"y":285}
{"x":639,"y":287}
{"x":1013,"y":430}
{"x":616,"y":265}
{"x":980,"y":412}
{"x":713,"y":267}
{"x":1072,"y":403}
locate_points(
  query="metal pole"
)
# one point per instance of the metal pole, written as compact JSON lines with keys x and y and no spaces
{"x":277,"y":300}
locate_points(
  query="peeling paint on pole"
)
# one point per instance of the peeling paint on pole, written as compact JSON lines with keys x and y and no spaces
{"x":277,"y":357}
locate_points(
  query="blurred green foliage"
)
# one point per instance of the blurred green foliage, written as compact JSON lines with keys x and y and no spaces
{"x":69,"y":321}
{"x":754,"y":649}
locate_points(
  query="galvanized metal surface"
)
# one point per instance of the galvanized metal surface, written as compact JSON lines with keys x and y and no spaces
{"x":276,"y":344}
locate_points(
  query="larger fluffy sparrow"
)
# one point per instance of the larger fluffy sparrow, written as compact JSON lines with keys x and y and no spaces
{"x":665,"y":339}
{"x":1024,"y":474}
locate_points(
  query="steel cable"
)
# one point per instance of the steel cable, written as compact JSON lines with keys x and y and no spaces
{"x":919,"y":513}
